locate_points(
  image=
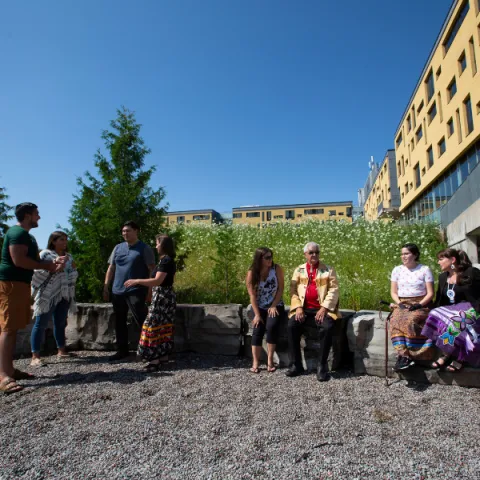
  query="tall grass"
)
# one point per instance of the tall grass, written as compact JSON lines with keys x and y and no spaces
{"x":217,"y":257}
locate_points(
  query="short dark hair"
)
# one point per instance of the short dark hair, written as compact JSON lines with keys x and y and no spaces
{"x":413,"y":249}
{"x":167,"y":247}
{"x":23,"y":209}
{"x":131,"y":224}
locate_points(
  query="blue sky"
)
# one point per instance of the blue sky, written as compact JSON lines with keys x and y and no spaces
{"x":242,"y":102}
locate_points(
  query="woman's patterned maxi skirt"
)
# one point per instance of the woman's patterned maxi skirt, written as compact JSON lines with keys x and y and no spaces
{"x":156,"y":339}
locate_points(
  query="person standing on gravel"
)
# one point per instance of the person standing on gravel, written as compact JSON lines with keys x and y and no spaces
{"x":53,"y":297}
{"x":18,"y":261}
{"x":314,"y":291}
{"x":130,"y":259}
{"x":156,"y":339}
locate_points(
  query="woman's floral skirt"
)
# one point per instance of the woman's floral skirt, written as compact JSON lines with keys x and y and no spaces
{"x":156,"y":339}
{"x":455,"y":329}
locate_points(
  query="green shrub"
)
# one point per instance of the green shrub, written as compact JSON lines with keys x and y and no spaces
{"x":217,"y":257}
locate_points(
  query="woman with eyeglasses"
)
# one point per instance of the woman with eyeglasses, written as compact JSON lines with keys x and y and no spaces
{"x":412,"y":293}
{"x":265,"y":282}
{"x":454,"y":325}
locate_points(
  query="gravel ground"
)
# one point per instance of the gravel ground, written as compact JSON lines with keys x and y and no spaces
{"x":209,"y":418}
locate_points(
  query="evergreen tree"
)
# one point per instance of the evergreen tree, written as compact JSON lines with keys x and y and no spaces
{"x":121,"y":192}
{"x":4,"y":214}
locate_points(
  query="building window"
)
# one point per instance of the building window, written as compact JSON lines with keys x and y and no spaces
{"x":313,"y":211}
{"x":349,"y":211}
{"x":439,"y":102}
{"x":332,"y":213}
{"x":289,"y":214}
{"x":439,"y":71}
{"x":181,"y":219}
{"x":430,"y":157}
{"x":253,"y":214}
{"x":419,"y":109}
{"x":441,"y":147}
{"x":452,"y":89}
{"x":419,"y":134}
{"x":237,"y":215}
{"x":430,"y":88}
{"x":416,"y":174}
{"x":406,"y":187}
{"x":450,"y":127}
{"x":467,"y":105}
{"x":459,"y":125}
{"x":399,"y":170}
{"x":409,"y":123}
{"x":473,"y":59}
{"x":269,"y":216}
{"x":201,"y":217}
{"x":432,"y":113}
{"x":457,"y":23}
{"x":399,"y":140}
{"x":462,"y":63}
{"x":277,"y":217}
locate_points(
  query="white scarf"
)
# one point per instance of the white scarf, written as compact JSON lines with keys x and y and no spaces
{"x":49,"y":289}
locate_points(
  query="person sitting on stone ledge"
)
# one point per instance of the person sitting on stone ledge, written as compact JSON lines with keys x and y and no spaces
{"x":454,"y":325}
{"x":265,"y":282}
{"x":412,"y":292}
{"x":315,"y":293}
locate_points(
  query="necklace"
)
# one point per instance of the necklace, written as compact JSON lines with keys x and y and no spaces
{"x":451,"y":292}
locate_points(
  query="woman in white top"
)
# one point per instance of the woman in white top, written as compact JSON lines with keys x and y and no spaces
{"x":412,"y":293}
{"x":265,"y":282}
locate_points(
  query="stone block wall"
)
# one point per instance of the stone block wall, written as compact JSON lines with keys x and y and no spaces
{"x":358,"y":345}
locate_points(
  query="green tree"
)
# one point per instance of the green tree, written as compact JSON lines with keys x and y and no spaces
{"x":121,"y":192}
{"x":4,"y":214}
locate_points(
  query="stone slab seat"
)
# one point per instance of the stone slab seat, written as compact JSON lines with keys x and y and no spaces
{"x":366,"y":339}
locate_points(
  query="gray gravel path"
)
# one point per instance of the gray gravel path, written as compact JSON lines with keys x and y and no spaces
{"x":208,"y":418}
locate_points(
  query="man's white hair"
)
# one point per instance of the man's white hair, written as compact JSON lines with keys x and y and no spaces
{"x":310,"y":245}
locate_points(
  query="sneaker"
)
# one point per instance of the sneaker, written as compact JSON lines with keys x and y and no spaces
{"x":403,"y":363}
{"x":322,"y":374}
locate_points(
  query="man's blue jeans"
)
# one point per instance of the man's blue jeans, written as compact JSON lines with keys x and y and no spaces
{"x":59,"y":313}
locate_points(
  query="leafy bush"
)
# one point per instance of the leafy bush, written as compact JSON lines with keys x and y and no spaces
{"x":216,"y":257}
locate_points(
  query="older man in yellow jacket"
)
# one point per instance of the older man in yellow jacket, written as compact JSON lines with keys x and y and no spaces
{"x":314,"y":292}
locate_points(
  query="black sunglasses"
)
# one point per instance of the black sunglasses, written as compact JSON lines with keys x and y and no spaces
{"x":314,"y":253}
{"x":267,"y":257}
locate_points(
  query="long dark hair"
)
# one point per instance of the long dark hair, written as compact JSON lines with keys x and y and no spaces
{"x":256,"y":265}
{"x":167,"y":247}
{"x":54,"y":237}
{"x":462,"y":262}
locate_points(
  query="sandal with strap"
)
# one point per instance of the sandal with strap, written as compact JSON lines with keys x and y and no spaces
{"x":440,"y":366}
{"x":152,"y":367}
{"x":20,"y":375}
{"x":271,"y":368}
{"x":255,"y":370}
{"x":455,"y":366}
{"x":8,"y":386}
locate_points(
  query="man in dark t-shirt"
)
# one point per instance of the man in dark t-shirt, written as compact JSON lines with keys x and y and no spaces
{"x":18,"y":260}
{"x":130,"y":259}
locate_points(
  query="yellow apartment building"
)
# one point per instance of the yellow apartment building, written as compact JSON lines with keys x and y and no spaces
{"x":437,"y":143}
{"x":264,"y":215}
{"x":383,"y":200}
{"x":207,"y":216}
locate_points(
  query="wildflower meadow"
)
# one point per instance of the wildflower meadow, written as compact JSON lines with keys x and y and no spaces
{"x":214,"y":259}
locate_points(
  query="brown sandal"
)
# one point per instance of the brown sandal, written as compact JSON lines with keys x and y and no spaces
{"x":8,"y":386}
{"x":255,"y":370}
{"x":271,"y":368}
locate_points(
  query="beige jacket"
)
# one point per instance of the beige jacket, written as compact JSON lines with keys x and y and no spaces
{"x":327,"y":288}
